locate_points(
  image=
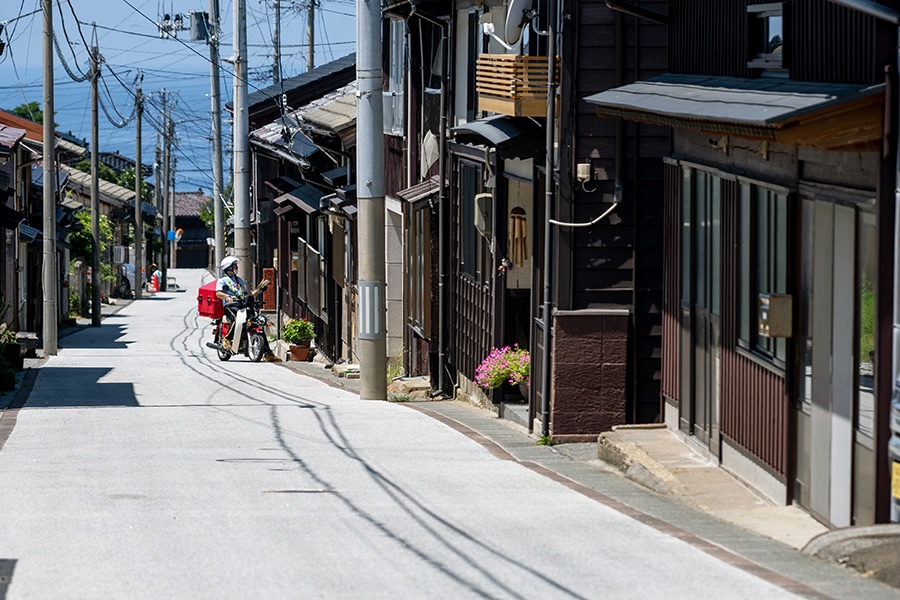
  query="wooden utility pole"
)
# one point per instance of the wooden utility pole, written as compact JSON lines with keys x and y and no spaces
{"x":49,"y":269}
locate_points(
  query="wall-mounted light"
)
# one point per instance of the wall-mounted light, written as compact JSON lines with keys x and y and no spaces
{"x":583,"y":174}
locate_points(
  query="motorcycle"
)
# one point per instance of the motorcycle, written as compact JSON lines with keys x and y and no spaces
{"x":250,"y":336}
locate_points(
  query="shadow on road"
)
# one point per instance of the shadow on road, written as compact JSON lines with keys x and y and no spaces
{"x":109,"y":335}
{"x":81,"y":387}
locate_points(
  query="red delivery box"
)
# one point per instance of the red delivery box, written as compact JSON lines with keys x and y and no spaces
{"x":208,"y":304}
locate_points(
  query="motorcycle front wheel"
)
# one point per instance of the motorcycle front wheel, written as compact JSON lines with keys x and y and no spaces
{"x":256,"y":346}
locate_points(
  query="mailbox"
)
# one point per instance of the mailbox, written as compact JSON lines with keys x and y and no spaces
{"x":775,"y":315}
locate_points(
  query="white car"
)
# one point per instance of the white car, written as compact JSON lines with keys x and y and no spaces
{"x":125,"y":280}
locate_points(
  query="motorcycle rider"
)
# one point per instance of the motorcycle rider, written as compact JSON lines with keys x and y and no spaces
{"x":231,"y":288}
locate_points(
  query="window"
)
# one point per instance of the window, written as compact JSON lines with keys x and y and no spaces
{"x":418,"y":260}
{"x":762,"y":264}
{"x":765,"y":26}
{"x":475,"y":254}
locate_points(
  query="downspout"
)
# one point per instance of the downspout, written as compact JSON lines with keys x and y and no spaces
{"x":549,"y":184}
{"x":443,"y":209}
{"x":883,"y":400}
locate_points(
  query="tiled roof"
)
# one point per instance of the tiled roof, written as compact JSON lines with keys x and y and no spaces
{"x":188,"y":204}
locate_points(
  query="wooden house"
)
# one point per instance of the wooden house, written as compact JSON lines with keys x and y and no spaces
{"x":779,"y":242}
{"x":303,"y":191}
{"x":498,"y":252}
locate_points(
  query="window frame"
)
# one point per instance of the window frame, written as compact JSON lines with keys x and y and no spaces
{"x":763,"y":263}
{"x":761,"y":58}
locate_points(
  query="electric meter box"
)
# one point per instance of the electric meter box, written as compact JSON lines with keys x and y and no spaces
{"x":775,"y":315}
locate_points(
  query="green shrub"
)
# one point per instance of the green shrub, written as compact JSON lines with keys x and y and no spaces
{"x":298,"y":330}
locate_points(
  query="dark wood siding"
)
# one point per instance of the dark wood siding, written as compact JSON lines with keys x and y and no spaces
{"x":712,"y":45}
{"x":619,"y":261}
{"x":394,"y":164}
{"x":813,"y":29}
{"x":672,"y":304}
{"x":754,"y":401}
{"x":810,"y":30}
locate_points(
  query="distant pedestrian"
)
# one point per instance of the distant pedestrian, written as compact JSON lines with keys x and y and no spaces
{"x":155,"y":278}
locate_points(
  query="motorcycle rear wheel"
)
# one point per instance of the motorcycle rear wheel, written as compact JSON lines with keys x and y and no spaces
{"x":256,"y":346}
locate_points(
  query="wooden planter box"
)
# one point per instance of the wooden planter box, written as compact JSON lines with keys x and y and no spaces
{"x":513,"y":84}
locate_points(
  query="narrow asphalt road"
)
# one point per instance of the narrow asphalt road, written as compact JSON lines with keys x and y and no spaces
{"x":141,"y":466}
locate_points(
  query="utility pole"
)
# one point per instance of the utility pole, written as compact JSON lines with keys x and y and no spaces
{"x":49,"y":271}
{"x":95,"y":191}
{"x":167,"y":156}
{"x":311,"y":36}
{"x":138,"y":202}
{"x":370,"y":200}
{"x":216,"y":109}
{"x":276,"y":39}
{"x":241,"y":144}
{"x":173,"y":246}
{"x":157,"y":188}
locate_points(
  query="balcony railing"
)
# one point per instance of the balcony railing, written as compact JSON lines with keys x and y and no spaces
{"x":512,"y":84}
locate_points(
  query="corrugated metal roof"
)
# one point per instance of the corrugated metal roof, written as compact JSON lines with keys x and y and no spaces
{"x":10,"y":136}
{"x":274,"y":92}
{"x":334,"y":112}
{"x":287,"y":136}
{"x":110,"y":193}
{"x":420,"y":191}
{"x":34,"y":133}
{"x":306,"y":197}
{"x":762,"y":102}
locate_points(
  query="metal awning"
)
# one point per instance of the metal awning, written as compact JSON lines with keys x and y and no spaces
{"x":799,"y":113}
{"x":513,"y":137}
{"x":306,"y":197}
{"x":420,"y":191}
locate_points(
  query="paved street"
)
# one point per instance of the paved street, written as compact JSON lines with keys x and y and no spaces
{"x":142,"y":467}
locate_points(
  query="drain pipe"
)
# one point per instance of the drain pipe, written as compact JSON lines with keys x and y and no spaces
{"x":549,"y":184}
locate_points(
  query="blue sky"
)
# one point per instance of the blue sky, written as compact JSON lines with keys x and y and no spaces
{"x":129,"y":42}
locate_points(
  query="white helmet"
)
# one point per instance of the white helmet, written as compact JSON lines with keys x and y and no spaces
{"x":228,"y":262}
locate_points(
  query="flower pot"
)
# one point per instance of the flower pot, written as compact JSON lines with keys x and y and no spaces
{"x":299,"y":351}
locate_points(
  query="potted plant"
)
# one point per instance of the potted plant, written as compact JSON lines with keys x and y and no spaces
{"x":509,"y":364}
{"x":298,"y":333}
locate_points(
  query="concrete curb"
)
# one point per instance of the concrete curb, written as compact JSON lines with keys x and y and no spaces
{"x":872,"y":550}
{"x":636,"y":465}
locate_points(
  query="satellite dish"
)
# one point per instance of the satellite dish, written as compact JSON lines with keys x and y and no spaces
{"x":516,"y":16}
